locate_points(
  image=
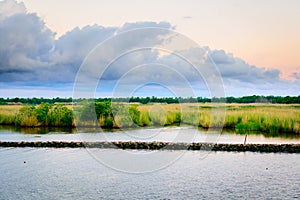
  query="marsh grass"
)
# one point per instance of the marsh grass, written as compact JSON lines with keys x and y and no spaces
{"x":7,"y":119}
{"x":36,"y":116}
{"x":268,"y":118}
{"x":159,"y":114}
{"x":10,"y":109}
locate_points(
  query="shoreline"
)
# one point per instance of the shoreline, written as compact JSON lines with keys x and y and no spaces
{"x":242,"y":118}
{"x":262,"y":148}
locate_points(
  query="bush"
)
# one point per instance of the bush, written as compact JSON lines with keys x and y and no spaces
{"x":60,"y":115}
{"x":103,"y":109}
{"x":41,"y":113}
{"x":92,"y":112}
{"x":87,"y":113}
{"x":108,"y":122}
{"x":27,"y":117}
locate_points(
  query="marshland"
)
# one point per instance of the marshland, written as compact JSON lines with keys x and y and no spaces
{"x":254,"y":115}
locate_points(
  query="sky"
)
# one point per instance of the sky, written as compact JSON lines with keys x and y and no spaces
{"x":253,"y":45}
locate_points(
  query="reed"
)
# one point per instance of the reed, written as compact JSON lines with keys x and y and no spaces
{"x":241,"y":117}
{"x":264,"y":118}
{"x":267,"y":118}
{"x":34,"y":116}
{"x":8,"y":114}
{"x":7,"y":119}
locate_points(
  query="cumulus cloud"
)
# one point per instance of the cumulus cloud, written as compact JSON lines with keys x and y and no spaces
{"x":30,"y":56}
{"x":25,"y":42}
{"x":295,"y":75}
{"x":75,"y":44}
{"x":29,"y":52}
{"x":11,"y":7}
{"x":235,"y":68}
{"x":141,"y":25}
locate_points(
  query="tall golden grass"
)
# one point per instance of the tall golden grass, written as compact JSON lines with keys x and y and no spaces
{"x":8,"y":114}
{"x":28,"y":116}
{"x":240,"y":117}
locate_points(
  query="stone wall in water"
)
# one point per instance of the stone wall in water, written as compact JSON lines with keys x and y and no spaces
{"x":272,"y":148}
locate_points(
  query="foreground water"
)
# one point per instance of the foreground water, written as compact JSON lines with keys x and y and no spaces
{"x":31,"y":173}
{"x":49,"y":173}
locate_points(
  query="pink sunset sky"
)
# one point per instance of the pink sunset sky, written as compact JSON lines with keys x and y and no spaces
{"x":265,"y":33}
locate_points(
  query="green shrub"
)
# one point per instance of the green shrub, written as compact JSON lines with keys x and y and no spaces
{"x":103,"y":109}
{"x":60,"y":115}
{"x":41,"y":113}
{"x":108,"y":122}
{"x":27,"y":117}
{"x":87,"y":113}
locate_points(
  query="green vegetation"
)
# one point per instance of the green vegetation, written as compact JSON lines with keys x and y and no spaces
{"x":240,"y":117}
{"x":34,"y":101}
{"x":37,"y":116}
{"x":168,"y":100}
{"x":269,"y":118}
{"x":94,"y":113}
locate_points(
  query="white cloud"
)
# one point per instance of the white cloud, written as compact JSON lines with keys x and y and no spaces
{"x":75,"y":44}
{"x":30,"y":55}
{"x":11,"y":7}
{"x":25,"y":42}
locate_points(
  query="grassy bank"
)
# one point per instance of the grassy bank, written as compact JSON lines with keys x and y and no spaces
{"x":267,"y":118}
{"x":43,"y":115}
{"x":272,"y":119}
{"x":240,"y":117}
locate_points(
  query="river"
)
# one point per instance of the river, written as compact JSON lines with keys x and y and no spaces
{"x":37,"y":173}
{"x":49,"y":173}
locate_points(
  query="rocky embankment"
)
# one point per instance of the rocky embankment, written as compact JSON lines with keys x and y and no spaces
{"x":272,"y":148}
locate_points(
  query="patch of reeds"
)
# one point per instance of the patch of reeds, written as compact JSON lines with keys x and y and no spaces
{"x":35,"y":116}
{"x":7,"y":119}
{"x":240,"y":117}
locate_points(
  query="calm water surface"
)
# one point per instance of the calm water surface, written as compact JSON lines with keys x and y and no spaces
{"x":49,"y":173}
{"x":42,"y":173}
{"x":167,"y":134}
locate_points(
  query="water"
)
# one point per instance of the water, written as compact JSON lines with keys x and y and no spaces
{"x":49,"y":173}
{"x":42,"y":173}
{"x":167,"y":134}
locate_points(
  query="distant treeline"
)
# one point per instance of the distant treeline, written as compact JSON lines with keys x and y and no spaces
{"x":34,"y":101}
{"x":168,"y":100}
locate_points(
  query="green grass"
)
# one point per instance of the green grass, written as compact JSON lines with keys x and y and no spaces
{"x":268,"y":118}
{"x":240,"y":117}
{"x":36,"y":116}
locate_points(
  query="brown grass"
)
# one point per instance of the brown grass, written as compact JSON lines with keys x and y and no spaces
{"x":10,"y":109}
